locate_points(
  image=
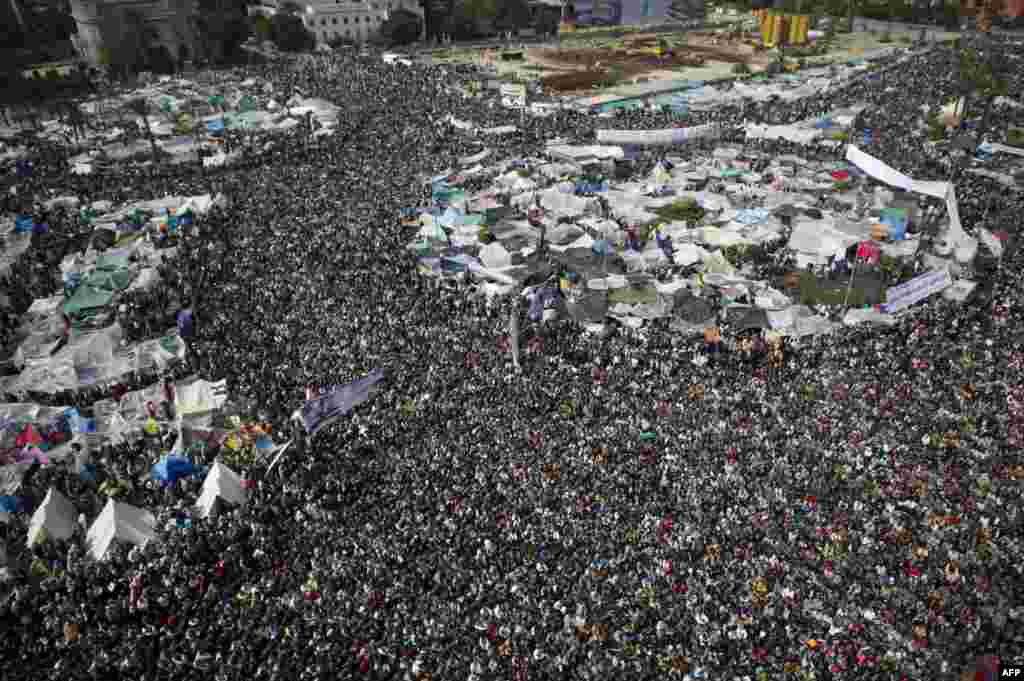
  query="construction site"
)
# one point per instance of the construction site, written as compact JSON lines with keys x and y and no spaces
{"x":577,"y":67}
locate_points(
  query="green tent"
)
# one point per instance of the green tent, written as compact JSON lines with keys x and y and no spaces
{"x":247,"y":103}
{"x":109,"y":280}
{"x":107,"y":262}
{"x":87,"y":297}
{"x":171,"y":344}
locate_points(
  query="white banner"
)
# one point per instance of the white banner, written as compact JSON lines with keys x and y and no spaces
{"x":645,"y":138}
{"x":200,"y":397}
{"x":918,"y":288}
{"x":877,"y":169}
{"x":500,"y":130}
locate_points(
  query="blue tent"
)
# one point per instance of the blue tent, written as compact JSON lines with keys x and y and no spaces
{"x":170,"y":468}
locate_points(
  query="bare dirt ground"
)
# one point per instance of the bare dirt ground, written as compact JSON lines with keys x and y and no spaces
{"x":582,"y":68}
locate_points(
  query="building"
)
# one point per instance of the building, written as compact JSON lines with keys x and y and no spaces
{"x":349,"y":20}
{"x":167,"y":22}
{"x":627,"y":12}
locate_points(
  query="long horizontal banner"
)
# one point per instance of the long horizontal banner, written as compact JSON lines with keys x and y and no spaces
{"x":917,"y":289}
{"x":657,"y":137}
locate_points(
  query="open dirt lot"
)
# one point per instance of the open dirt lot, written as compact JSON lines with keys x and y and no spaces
{"x":580,"y":68}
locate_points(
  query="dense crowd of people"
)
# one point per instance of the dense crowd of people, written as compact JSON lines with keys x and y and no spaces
{"x":624,"y":506}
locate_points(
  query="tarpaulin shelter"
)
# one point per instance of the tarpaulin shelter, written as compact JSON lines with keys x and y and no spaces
{"x":54,"y":519}
{"x":87,"y":297}
{"x":171,"y":468}
{"x":119,"y":522}
{"x":221,"y":483}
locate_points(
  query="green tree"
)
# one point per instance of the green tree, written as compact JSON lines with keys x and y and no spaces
{"x":262,"y":28}
{"x":290,"y":34}
{"x":140,"y":107}
{"x":512,"y":15}
{"x":222,"y":26}
{"x":123,"y":33}
{"x":984,"y":73}
{"x":401,"y":28}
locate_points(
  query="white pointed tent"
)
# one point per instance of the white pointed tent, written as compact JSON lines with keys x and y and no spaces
{"x":55,"y":518}
{"x":221,"y":483}
{"x":121,"y":522}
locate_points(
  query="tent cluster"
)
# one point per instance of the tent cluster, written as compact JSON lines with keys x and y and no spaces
{"x":384,"y":444}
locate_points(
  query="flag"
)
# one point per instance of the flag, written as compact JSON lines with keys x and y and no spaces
{"x":186,"y":324}
{"x":869,"y":252}
{"x":513,"y":332}
{"x":329,"y":407}
{"x":24,"y":223}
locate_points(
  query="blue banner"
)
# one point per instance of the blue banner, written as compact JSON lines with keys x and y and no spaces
{"x":591,"y":187}
{"x":323,"y":410}
{"x":186,"y":323}
{"x":24,"y":223}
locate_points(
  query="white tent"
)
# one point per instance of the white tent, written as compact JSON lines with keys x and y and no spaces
{"x":221,"y":483}
{"x":55,"y":518}
{"x":121,"y":522}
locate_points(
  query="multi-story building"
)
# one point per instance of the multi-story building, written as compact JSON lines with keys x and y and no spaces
{"x":353,"y":20}
{"x":167,"y":22}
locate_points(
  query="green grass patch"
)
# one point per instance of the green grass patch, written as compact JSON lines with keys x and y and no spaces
{"x":816,"y":292}
{"x":683,"y":210}
{"x":632,"y":296}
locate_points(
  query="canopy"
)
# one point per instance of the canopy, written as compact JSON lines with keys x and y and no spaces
{"x":54,"y":519}
{"x":121,"y":522}
{"x":221,"y":483}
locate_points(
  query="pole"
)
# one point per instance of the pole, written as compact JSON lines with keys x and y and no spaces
{"x":278,"y":457}
{"x":849,"y":286}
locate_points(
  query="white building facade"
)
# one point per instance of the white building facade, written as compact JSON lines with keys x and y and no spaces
{"x":351,"y":20}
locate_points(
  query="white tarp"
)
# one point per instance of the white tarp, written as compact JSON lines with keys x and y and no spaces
{"x":11,"y":476}
{"x":200,"y":397}
{"x":657,"y":137}
{"x":221,"y":483}
{"x":119,"y":522}
{"x":56,"y":518}
{"x":494,"y":256}
{"x":791,"y":133}
{"x":215,"y":160}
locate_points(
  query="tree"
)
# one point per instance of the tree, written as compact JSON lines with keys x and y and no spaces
{"x":479,"y":13}
{"x":222,"y":27}
{"x":123,"y":34}
{"x":290,"y":34}
{"x":160,"y":60}
{"x":985,"y":72}
{"x":513,"y":15}
{"x":262,"y":28}
{"x":140,"y":107}
{"x":401,"y":28}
